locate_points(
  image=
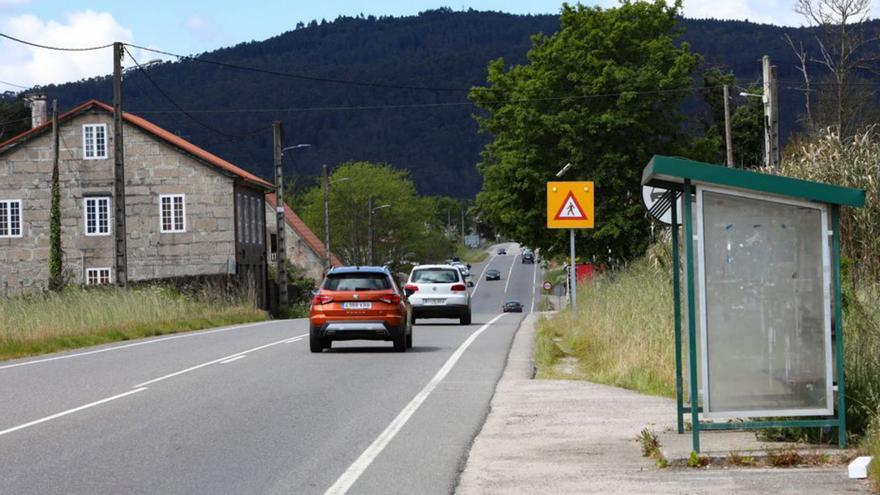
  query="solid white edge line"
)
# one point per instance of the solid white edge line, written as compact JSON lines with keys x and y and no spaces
{"x":534,"y":288}
{"x":70,"y":411}
{"x":482,"y":274}
{"x":509,"y":275}
{"x":198,"y":366}
{"x":135,"y":344}
{"x":357,"y":468}
{"x":236,"y":358}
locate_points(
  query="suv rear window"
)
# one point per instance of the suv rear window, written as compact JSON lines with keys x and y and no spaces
{"x":357,"y":281}
{"x":435,"y":276}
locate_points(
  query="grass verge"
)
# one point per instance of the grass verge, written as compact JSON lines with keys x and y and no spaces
{"x":470,"y":255}
{"x":78,"y":318}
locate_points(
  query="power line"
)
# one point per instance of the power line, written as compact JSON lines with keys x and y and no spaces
{"x":185,"y":112}
{"x":304,"y":77}
{"x":424,"y":105}
{"x":56,"y":48}
{"x":14,"y":85}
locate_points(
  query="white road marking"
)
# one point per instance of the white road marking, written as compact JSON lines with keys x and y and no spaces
{"x":534,"y":288}
{"x":509,"y":274}
{"x":215,"y":361}
{"x":357,"y":468}
{"x":135,"y":344}
{"x":236,"y":358}
{"x":480,"y":279}
{"x":295,"y":339}
{"x":70,"y":411}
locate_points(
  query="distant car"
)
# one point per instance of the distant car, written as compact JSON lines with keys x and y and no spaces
{"x":360,"y":303}
{"x":463,"y":268}
{"x":438,"y":291}
{"x":512,"y":307}
{"x":502,"y":251}
{"x":528,"y":257}
{"x":493,"y":274}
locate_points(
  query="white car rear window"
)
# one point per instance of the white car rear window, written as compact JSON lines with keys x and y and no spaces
{"x":435,"y":276}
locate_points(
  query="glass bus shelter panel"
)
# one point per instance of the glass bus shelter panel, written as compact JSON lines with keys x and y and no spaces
{"x":766,"y":315}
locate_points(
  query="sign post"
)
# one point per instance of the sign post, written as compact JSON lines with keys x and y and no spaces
{"x":570,"y":206}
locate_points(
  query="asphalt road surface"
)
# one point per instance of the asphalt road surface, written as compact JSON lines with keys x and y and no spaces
{"x":248,"y":409}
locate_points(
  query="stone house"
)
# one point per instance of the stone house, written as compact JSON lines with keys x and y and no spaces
{"x":188,"y":212}
{"x":304,"y":248}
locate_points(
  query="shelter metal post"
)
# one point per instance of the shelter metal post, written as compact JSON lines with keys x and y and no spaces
{"x":676,"y":295}
{"x":692,"y":313}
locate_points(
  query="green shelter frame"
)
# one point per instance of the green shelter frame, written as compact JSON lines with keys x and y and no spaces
{"x":682,"y":177}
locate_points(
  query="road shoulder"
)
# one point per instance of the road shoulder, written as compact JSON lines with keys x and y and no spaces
{"x":559,"y":436}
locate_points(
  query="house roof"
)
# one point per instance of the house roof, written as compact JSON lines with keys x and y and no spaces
{"x":298,"y":226}
{"x":150,"y":128}
{"x":667,"y":172}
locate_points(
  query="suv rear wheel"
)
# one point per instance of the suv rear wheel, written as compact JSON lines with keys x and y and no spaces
{"x":317,"y":344}
{"x":465,"y":319}
{"x":409,"y":341}
{"x":400,"y":344}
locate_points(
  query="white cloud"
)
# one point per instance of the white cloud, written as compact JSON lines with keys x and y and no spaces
{"x":28,"y":65}
{"x":779,"y":12}
{"x":204,"y":30}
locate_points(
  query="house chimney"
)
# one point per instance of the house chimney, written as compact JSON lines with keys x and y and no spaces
{"x":39,"y":109}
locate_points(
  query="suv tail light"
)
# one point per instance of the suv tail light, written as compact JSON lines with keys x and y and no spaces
{"x":322,"y":299}
{"x":458,"y":287}
{"x":390,"y":299}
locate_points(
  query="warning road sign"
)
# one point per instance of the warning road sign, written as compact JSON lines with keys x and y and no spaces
{"x":570,"y":205}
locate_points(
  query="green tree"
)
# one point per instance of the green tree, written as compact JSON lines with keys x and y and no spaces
{"x":405,"y":231}
{"x":602,"y":93}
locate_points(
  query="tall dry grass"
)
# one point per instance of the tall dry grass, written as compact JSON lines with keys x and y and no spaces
{"x":76,"y":317}
{"x":622,"y":333}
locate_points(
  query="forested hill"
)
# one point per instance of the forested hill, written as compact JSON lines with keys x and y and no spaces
{"x":430,"y":132}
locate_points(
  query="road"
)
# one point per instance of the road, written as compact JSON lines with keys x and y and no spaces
{"x":248,"y":409}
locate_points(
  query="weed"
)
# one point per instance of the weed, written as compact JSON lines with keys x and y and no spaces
{"x":783,"y":457}
{"x":817,"y":459}
{"x":735,"y":459}
{"x":871,"y":445}
{"x":662,"y":462}
{"x":649,"y":442}
{"x":696,"y":461}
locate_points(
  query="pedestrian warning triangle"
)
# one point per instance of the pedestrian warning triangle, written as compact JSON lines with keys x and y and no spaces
{"x":571,"y":209}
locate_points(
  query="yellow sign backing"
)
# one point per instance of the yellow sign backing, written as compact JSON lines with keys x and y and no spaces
{"x":570,"y":205}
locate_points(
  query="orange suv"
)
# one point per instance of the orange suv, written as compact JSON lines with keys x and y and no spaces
{"x":360,"y":303}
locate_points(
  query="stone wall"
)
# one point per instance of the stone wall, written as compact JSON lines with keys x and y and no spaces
{"x":152,"y":168}
{"x":298,"y":252}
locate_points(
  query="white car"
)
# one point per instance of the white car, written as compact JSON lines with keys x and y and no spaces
{"x":438,"y":291}
{"x":463,"y":268}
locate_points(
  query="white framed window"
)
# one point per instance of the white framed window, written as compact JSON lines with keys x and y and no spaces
{"x":95,"y":141}
{"x":98,"y":276}
{"x":172,"y":213}
{"x":96,"y":212}
{"x":10,"y":218}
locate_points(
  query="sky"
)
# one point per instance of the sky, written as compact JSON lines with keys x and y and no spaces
{"x":195,"y":26}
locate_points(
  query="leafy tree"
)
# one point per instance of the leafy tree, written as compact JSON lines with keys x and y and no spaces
{"x":15,"y":118}
{"x":406,"y":231}
{"x":603,"y":94}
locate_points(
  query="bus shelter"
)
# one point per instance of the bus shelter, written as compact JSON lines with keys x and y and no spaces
{"x":761,"y":295}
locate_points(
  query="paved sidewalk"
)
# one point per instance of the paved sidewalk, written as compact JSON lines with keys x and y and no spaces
{"x":560,"y":437}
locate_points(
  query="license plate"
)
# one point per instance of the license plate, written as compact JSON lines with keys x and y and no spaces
{"x":434,"y":302}
{"x":357,"y":305}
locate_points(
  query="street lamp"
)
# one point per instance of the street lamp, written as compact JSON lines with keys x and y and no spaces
{"x":281,"y":247}
{"x":327,"y":184}
{"x":370,"y":228}
{"x":564,"y":169}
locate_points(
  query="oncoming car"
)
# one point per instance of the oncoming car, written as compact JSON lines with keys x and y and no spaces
{"x":438,"y":291}
{"x":512,"y":307}
{"x":493,"y":274}
{"x":359,"y":303}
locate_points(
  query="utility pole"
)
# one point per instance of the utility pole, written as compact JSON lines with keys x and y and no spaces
{"x":728,"y":138}
{"x":55,"y":254}
{"x":119,"y":171}
{"x":370,"y":232}
{"x":279,"y":218}
{"x":771,"y":114}
{"x":462,"y":224}
{"x":327,"y":263}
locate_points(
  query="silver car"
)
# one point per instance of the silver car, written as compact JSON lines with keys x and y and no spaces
{"x":438,"y":291}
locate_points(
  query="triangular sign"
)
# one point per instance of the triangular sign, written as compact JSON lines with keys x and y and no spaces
{"x":571,"y":209}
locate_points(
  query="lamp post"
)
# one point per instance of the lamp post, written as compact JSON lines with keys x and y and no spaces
{"x":281,"y":248}
{"x":572,"y":269}
{"x":327,"y":183}
{"x":370,"y":228}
